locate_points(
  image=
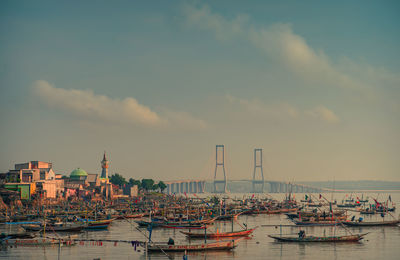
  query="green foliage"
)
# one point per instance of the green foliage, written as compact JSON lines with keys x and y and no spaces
{"x":155,"y":187}
{"x":135,"y":182}
{"x":118,"y":179}
{"x":162,"y":186}
{"x":147,"y":184}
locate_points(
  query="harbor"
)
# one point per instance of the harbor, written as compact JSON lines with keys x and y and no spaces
{"x":199,"y":129}
{"x":196,"y":239}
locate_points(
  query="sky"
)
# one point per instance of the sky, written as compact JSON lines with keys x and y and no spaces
{"x":158,"y":84}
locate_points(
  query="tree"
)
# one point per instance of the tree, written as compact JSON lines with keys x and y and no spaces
{"x":155,"y":187}
{"x":162,"y":186}
{"x":147,"y":184}
{"x":117,"y":179}
{"x":134,"y":182}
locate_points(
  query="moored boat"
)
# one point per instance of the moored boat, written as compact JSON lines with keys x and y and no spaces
{"x":57,"y":227}
{"x":372,"y":223}
{"x":220,"y":245}
{"x":37,"y":241}
{"x":98,"y":224}
{"x":241,"y":233}
{"x":348,"y":238}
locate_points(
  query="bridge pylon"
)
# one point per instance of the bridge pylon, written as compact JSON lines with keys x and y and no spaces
{"x":258,"y":164}
{"x":220,"y":164}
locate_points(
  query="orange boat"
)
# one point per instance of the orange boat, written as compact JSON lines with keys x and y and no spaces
{"x":241,"y":233}
{"x":220,"y":245}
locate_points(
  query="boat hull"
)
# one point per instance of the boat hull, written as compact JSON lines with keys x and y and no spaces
{"x":371,"y":224}
{"x":222,"y":245}
{"x":242,"y":233}
{"x":352,"y":238}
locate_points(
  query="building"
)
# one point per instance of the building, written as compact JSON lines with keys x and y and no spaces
{"x":130,"y":190}
{"x":104,"y":166}
{"x":34,"y":176}
{"x":32,"y":171}
{"x":26,"y":190}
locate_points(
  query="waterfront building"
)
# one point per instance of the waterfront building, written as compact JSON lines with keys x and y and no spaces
{"x":32,"y":171}
{"x":104,"y":166}
{"x":31,"y":177}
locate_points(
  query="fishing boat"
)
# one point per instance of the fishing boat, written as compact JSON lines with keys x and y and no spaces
{"x":316,"y":223}
{"x":348,"y":238}
{"x":130,"y":216}
{"x":183,"y":226}
{"x":17,"y":235}
{"x":98,"y":224}
{"x":220,"y":245}
{"x":368,"y":211}
{"x":371,"y":224}
{"x":241,"y":233}
{"x":229,"y":216}
{"x":37,"y":241}
{"x":347,"y":205}
{"x":145,"y":223}
{"x":57,"y":227}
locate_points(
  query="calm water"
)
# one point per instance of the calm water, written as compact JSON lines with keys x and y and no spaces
{"x":381,"y":243}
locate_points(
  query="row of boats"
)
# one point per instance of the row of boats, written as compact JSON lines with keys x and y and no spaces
{"x":193,"y":216}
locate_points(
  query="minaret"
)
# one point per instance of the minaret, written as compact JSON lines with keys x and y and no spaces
{"x":104,"y":165}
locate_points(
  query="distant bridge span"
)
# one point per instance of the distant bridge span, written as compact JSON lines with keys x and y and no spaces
{"x":188,"y":186}
{"x":199,"y":186}
{"x":279,"y":186}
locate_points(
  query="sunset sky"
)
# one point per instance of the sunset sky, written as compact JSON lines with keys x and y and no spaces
{"x":157,"y":84}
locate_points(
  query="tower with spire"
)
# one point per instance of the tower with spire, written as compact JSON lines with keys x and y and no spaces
{"x":104,"y":166}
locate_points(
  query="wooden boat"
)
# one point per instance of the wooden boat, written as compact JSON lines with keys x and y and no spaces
{"x":316,"y":223}
{"x":98,"y":224}
{"x":130,"y":216}
{"x":367,"y":212}
{"x":241,"y":233}
{"x":220,"y":245}
{"x":58,"y":227}
{"x":277,"y":211}
{"x":371,"y":224}
{"x":37,"y":242}
{"x":349,"y":238}
{"x":347,"y":205}
{"x":17,"y":235}
{"x":145,"y":223}
{"x":184,"y":226}
{"x":229,"y":216}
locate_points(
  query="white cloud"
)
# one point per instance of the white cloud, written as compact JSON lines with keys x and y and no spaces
{"x":87,"y":105}
{"x":205,"y":19}
{"x":278,"y":42}
{"x":323,"y":113}
{"x":282,"y":110}
{"x":257,"y":107}
{"x":184,"y":120}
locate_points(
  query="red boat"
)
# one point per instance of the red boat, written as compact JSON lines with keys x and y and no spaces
{"x":241,"y":233}
{"x":220,"y":245}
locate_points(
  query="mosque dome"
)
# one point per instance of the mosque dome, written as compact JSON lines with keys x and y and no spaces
{"x":78,"y":172}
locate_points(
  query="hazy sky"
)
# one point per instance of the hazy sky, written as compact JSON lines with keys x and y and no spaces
{"x":157,"y":84}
